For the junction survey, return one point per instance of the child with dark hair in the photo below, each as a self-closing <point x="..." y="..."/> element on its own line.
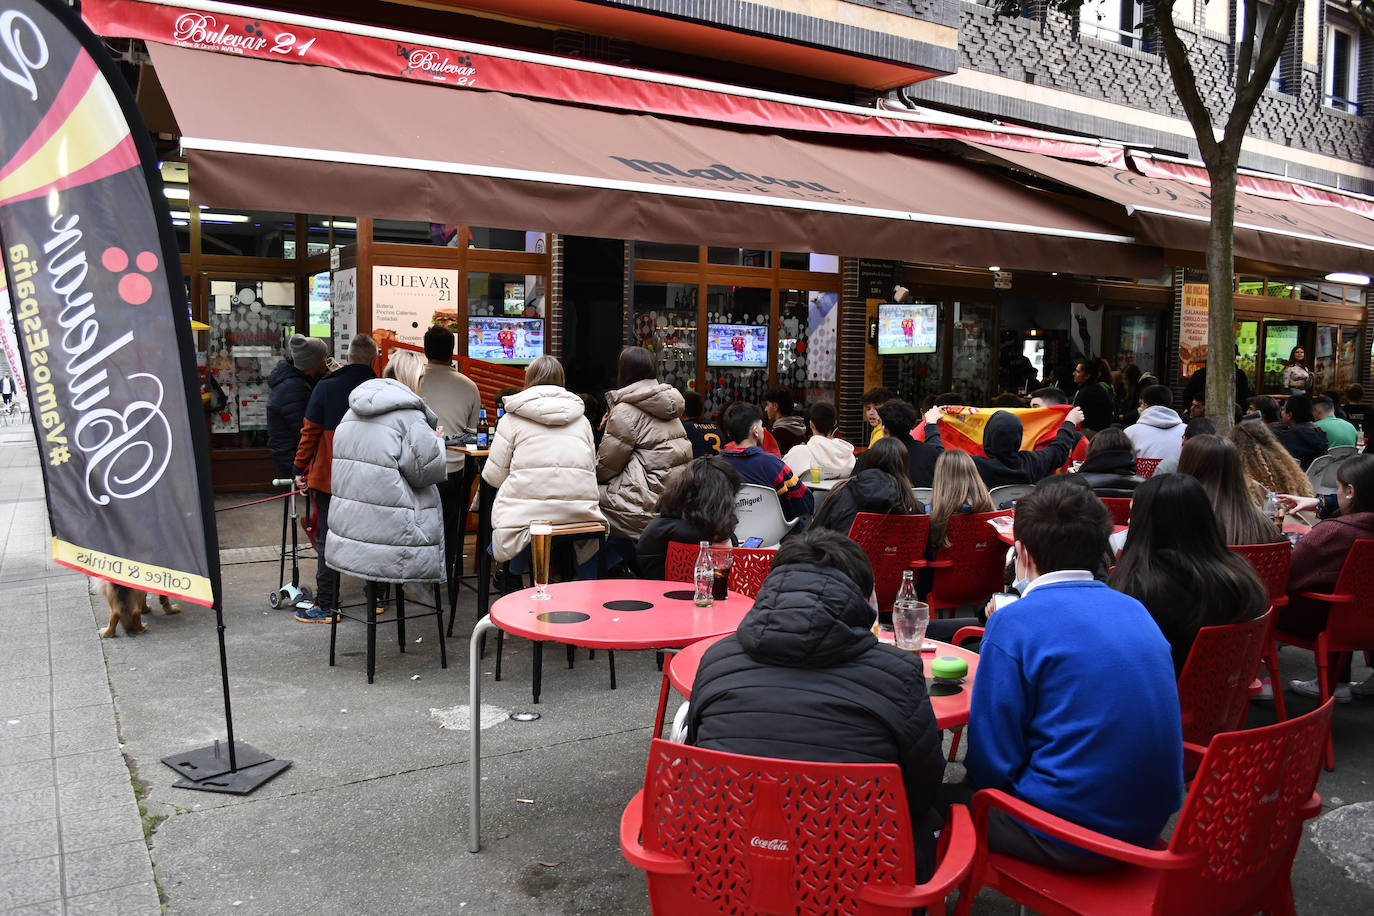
<point x="788" y="428"/>
<point x="870" y="401"/>
<point x="698" y="504"/>
<point x="743" y="425"/>
<point x="880" y="486"/>
<point x="899" y="419"/>
<point x="825" y="449"/>
<point x="702" y="433"/>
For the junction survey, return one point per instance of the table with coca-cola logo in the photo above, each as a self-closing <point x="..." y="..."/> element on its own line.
<point x="597" y="614"/>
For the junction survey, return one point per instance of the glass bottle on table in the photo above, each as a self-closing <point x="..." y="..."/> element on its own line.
<point x="483" y="432"/>
<point x="703" y="576"/>
<point x="910" y="616"/>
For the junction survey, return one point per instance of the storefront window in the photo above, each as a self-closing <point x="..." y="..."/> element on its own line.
<point x="737" y="345"/>
<point x="505" y="317"/>
<point x="1137" y="341"/>
<point x="816" y="263"/>
<point x="655" y="251"/>
<point x="971" y="346"/>
<point x="248" y="323"/>
<point x="344" y="231"/>
<point x="739" y="257"/>
<point x="1347" y="367"/>
<point x="243" y="233"/>
<point x="1250" y="286"/>
<point x="665" y="324"/>
<point x="808" y="343"/>
<point x="320" y="305"/>
<point x="1279" y="340"/>
<point x="506" y="239"/>
<point x="919" y="375"/>
<point x="1247" y="346"/>
<point x="1324" y="363"/>
<point x="402" y="232"/>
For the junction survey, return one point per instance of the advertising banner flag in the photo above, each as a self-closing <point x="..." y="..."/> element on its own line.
<point x="962" y="427"/>
<point x="100" y="311"/>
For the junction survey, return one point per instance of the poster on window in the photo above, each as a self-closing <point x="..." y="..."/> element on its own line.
<point x="407" y="301"/>
<point x="1192" y="335"/>
<point x="821" y="346"/>
<point x="12" y="364"/>
<point x="345" y="296"/>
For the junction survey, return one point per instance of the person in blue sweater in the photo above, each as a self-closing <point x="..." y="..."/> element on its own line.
<point x="1075" y="707"/>
<point x="743" y="424"/>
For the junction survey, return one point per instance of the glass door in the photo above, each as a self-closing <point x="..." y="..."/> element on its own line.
<point x="250" y="320"/>
<point x="1280" y="337"/>
<point x="971" y="351"/>
<point x="665" y="324"/>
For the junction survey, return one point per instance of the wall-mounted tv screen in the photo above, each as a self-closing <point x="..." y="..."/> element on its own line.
<point x="741" y="345"/>
<point x="907" y="327"/>
<point x="505" y="340"/>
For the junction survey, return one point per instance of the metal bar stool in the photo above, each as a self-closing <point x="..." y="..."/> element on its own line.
<point x="372" y="611"/>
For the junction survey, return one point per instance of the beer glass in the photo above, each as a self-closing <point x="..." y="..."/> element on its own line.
<point x="541" y="544"/>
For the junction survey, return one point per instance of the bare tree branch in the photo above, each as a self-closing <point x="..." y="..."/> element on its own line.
<point x="1185" y="81"/>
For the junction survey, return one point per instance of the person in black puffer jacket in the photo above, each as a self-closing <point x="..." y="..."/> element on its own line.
<point x="804" y="678"/>
<point x="1109" y="466"/>
<point x="290" y="385"/>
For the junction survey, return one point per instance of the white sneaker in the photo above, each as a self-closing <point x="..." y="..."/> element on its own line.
<point x="1312" y="689"/>
<point x="1365" y="688"/>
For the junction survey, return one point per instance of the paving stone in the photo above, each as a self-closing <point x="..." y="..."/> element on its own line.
<point x="90" y="871"/>
<point x="38" y="723"/>
<point x="91" y="796"/>
<point x="13" y="706"/>
<point x="100" y="737"/>
<point x="26" y="665"/>
<point x="29" y="840"/>
<point x="46" y="908"/>
<point x="21" y="750"/>
<point x="32" y="774"/>
<point x="30" y="881"/>
<point x="104" y="765"/>
<point x="77" y="718"/>
<point x="101" y="828"/>
<point x="79" y="696"/>
<point x="28" y="805"/>
<point x="130" y="900"/>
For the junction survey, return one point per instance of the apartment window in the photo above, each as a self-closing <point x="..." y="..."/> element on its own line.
<point x="1262" y="14"/>
<point x="1113" y="20"/>
<point x="1340" y="81"/>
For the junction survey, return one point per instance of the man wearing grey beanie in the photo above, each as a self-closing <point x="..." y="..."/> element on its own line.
<point x="291" y="383"/>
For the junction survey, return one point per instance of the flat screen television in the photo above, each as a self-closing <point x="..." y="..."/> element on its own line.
<point x="740" y="345"/>
<point x="907" y="327"/>
<point x="505" y="340"/>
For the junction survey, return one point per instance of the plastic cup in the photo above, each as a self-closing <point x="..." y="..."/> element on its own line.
<point x="815" y="474"/>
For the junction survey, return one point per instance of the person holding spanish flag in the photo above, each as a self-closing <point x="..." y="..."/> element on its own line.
<point x="1004" y="461"/>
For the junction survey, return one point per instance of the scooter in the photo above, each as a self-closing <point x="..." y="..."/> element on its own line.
<point x="291" y="594"/>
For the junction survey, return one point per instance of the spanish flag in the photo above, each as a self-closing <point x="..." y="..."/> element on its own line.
<point x="962" y="427"/>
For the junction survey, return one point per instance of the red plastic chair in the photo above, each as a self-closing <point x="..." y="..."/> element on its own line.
<point x="749" y="568"/>
<point x="972" y="567"/>
<point x="1230" y="854"/>
<point x="1145" y="467"/>
<point x="1273" y="563"/>
<point x="1120" y="508"/>
<point x="724" y="833"/>
<point x="1214" y="686"/>
<point x="893" y="544"/>
<point x="1349" y="624"/>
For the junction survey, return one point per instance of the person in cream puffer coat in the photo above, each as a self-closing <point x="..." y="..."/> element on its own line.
<point x="385" y="523"/>
<point x="543" y="460"/>
<point x="644" y="442"/>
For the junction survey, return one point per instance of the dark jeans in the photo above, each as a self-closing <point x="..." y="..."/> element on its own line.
<point x="326" y="579"/>
<point x="1010" y="837"/>
<point x="453" y="499"/>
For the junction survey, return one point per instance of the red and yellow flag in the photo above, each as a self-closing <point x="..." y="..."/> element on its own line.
<point x="962" y="427"/>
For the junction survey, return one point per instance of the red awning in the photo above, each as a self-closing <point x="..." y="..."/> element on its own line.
<point x="319" y="140"/>
<point x="1309" y="237"/>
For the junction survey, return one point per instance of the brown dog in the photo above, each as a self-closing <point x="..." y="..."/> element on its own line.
<point x="128" y="605"/>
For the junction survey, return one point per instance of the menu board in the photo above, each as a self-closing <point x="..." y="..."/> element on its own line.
<point x="1192" y="335"/>
<point x="407" y="301"/>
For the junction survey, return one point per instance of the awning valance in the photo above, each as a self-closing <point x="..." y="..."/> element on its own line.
<point x="267" y="135"/>
<point x="1310" y="238"/>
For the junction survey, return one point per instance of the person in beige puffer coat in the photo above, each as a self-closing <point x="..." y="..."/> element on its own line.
<point x="643" y="443"/>
<point x="542" y="459"/>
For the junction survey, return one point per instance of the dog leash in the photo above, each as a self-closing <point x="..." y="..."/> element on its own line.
<point x="258" y="501"/>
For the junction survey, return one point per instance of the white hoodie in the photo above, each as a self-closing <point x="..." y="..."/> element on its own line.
<point x="1159" y="434"/>
<point x="835" y="458"/>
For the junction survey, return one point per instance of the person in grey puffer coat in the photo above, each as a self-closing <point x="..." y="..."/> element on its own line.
<point x="643" y="443"/>
<point x="385" y="522"/>
<point x="804" y="678"/>
<point x="1159" y="432"/>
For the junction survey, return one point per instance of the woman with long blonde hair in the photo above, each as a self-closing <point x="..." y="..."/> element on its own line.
<point x="957" y="488"/>
<point x="1267" y="462"/>
<point x="407" y="367"/>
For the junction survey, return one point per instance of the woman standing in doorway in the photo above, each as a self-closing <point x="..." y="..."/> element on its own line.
<point x="1297" y="378"/>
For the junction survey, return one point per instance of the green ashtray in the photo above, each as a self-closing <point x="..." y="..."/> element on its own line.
<point x="948" y="668"/>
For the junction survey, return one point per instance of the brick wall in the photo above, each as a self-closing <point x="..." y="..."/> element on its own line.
<point x="1050" y="57"/>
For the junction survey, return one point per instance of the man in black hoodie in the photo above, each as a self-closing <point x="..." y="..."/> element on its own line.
<point x="1003" y="462"/>
<point x="804" y="678"/>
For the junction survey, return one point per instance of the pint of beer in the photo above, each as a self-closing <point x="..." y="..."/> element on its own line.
<point x="541" y="544"/>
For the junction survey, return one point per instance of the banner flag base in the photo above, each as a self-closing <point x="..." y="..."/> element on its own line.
<point x="209" y="769"/>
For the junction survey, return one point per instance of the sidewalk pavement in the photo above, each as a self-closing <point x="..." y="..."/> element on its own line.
<point x="372" y="816"/>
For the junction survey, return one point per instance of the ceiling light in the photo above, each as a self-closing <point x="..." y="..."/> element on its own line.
<point x="176" y="193"/>
<point x="1352" y="279"/>
<point x="994" y="269"/>
<point x="208" y="217"/>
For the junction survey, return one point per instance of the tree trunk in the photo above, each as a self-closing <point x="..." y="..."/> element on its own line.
<point x="1221" y="309"/>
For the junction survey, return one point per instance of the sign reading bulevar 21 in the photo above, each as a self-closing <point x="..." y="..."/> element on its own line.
<point x="96" y="317"/>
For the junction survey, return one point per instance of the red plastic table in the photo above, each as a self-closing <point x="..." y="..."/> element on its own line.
<point x="950" y="705"/>
<point x="604" y="614"/>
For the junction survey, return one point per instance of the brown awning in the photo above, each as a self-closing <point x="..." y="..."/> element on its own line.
<point x="294" y="138"/>
<point x="1171" y="213"/>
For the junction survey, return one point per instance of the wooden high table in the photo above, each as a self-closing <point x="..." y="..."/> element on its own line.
<point x="595" y="614"/>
